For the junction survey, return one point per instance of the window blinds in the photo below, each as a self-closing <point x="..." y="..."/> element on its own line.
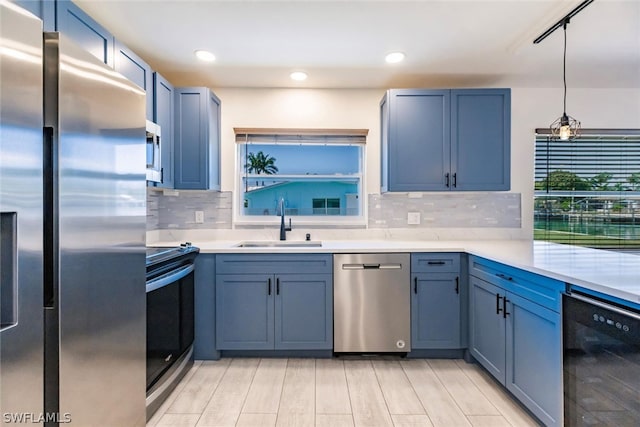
<point x="587" y="191"/>
<point x="600" y="163"/>
<point x="300" y="136"/>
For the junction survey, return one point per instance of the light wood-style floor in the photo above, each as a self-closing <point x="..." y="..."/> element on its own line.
<point x="338" y="392"/>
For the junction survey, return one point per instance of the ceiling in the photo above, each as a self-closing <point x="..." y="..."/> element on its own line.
<point x="342" y="44"/>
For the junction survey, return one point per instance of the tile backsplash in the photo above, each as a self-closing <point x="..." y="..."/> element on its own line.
<point x="175" y="209"/>
<point x="445" y="210"/>
<point x="168" y="210"/>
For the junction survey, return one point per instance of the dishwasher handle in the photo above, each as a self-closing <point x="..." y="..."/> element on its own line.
<point x="385" y="266"/>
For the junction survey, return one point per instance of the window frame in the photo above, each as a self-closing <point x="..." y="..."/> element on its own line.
<point x="240" y="219"/>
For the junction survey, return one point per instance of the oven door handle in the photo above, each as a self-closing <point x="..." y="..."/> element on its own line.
<point x="604" y="305"/>
<point x="168" y="278"/>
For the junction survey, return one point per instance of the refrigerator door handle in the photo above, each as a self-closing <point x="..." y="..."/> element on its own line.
<point x="49" y="284"/>
<point x="9" y="269"/>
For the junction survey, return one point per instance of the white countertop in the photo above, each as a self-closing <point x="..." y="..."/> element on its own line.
<point x="612" y="273"/>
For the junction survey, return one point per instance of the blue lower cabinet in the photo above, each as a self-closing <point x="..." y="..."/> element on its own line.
<point x="487" y="327"/>
<point x="519" y="343"/>
<point x="245" y="311"/>
<point x="435" y="311"/>
<point x="304" y="312"/>
<point x="274" y="312"/>
<point x="534" y="358"/>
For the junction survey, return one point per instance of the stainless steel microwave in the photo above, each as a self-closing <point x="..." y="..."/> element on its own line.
<point x="154" y="166"/>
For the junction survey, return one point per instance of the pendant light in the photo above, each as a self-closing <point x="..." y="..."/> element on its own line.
<point x="565" y="127"/>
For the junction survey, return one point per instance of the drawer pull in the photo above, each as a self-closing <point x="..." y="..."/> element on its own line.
<point x="436" y="263"/>
<point x="502" y="276"/>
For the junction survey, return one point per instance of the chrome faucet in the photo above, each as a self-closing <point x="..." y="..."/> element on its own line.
<point x="283" y="229"/>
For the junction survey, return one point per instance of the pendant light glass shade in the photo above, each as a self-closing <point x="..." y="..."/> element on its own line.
<point x="565" y="127"/>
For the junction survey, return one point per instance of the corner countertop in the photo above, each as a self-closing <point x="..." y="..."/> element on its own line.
<point x="612" y="273"/>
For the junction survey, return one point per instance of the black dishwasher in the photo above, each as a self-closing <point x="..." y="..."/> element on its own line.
<point x="601" y="343"/>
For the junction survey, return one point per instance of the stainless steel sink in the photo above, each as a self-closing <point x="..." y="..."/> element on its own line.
<point x="280" y="244"/>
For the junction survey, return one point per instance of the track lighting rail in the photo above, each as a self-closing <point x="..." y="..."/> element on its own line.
<point x="563" y="21"/>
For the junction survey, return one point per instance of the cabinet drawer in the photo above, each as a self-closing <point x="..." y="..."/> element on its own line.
<point x="274" y="263"/>
<point x="534" y="287"/>
<point x="435" y="263"/>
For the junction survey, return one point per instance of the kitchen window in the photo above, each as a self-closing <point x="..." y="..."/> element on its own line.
<point x="326" y="206"/>
<point x="318" y="173"/>
<point x="587" y="191"/>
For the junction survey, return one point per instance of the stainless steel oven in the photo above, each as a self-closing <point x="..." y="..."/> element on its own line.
<point x="601" y="341"/>
<point x="170" y="319"/>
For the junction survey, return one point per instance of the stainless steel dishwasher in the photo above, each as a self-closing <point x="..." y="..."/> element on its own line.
<point x="371" y="303"/>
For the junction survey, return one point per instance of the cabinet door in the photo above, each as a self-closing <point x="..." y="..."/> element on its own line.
<point x="130" y="65"/>
<point x="197" y="139"/>
<point x="304" y="312"/>
<point x="190" y="148"/>
<point x="487" y="326"/>
<point x="480" y="139"/>
<point x="84" y="31"/>
<point x="213" y="140"/>
<point x="163" y="116"/>
<point x="435" y="311"/>
<point x="244" y="311"/>
<point x="534" y="358"/>
<point x="418" y="145"/>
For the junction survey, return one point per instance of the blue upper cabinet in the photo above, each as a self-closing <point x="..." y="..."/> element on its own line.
<point x="130" y="65"/>
<point x="418" y="139"/>
<point x="80" y="27"/>
<point x="163" y="96"/>
<point x="197" y="139"/>
<point x="480" y="139"/>
<point x="445" y="140"/>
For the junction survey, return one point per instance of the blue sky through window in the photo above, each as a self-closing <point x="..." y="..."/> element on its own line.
<point x="305" y="159"/>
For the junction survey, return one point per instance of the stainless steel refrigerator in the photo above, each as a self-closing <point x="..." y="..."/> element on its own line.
<point x="73" y="211"/>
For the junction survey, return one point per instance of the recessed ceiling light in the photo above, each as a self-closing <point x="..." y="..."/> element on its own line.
<point x="298" y="75"/>
<point x="205" y="56"/>
<point x="394" y="57"/>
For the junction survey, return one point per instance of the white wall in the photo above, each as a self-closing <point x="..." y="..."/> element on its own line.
<point x="338" y="108"/>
